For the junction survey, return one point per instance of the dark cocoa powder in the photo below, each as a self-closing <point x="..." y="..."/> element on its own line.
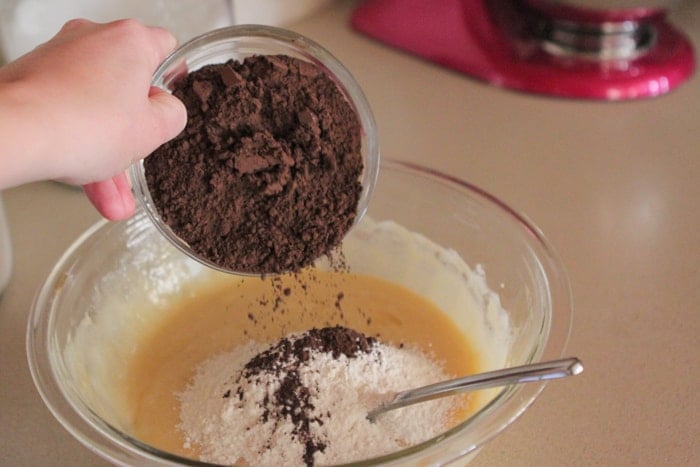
<point x="292" y="399"/>
<point x="265" y="178"/>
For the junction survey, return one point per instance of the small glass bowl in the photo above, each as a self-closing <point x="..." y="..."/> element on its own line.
<point x="237" y="43"/>
<point x="81" y="327"/>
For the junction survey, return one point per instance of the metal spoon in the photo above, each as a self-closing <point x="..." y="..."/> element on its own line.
<point x="515" y="375"/>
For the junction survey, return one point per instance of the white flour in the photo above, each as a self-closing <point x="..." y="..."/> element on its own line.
<point x="227" y="429"/>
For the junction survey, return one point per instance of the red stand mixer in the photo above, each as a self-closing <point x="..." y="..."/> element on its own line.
<point x="588" y="49"/>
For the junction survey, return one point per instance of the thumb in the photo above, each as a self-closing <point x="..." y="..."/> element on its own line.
<point x="168" y="112"/>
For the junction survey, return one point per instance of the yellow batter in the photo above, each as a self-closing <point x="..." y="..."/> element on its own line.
<point x="217" y="318"/>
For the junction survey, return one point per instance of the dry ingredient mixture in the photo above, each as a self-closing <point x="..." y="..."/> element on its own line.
<point x="304" y="400"/>
<point x="265" y="177"/>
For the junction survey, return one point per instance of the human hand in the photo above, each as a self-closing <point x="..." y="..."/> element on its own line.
<point x="83" y="109"/>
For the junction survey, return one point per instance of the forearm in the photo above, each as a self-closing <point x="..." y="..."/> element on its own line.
<point x="25" y="136"/>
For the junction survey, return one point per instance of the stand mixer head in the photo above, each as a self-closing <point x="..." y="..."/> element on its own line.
<point x="589" y="49"/>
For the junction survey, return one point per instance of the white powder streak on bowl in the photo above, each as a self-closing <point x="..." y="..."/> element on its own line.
<point x="124" y="304"/>
<point x="227" y="430"/>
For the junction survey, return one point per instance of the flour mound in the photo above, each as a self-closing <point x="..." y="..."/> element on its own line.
<point x="304" y="400"/>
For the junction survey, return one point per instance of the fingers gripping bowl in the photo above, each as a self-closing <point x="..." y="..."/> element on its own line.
<point x="435" y="235"/>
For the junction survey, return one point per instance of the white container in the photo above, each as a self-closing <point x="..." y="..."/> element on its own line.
<point x="5" y="250"/>
<point x="24" y="24"/>
<point x="273" y="12"/>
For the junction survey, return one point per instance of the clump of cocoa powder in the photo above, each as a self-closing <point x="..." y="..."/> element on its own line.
<point x="292" y="399"/>
<point x="265" y="178"/>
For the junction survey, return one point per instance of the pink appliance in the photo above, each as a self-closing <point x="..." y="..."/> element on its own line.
<point x="587" y="49"/>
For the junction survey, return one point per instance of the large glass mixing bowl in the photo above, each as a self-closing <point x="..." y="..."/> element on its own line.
<point x="113" y="265"/>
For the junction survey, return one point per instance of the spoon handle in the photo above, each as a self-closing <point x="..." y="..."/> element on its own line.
<point x="515" y="375"/>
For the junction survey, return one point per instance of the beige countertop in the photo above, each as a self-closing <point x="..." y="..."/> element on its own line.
<point x="615" y="187"/>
